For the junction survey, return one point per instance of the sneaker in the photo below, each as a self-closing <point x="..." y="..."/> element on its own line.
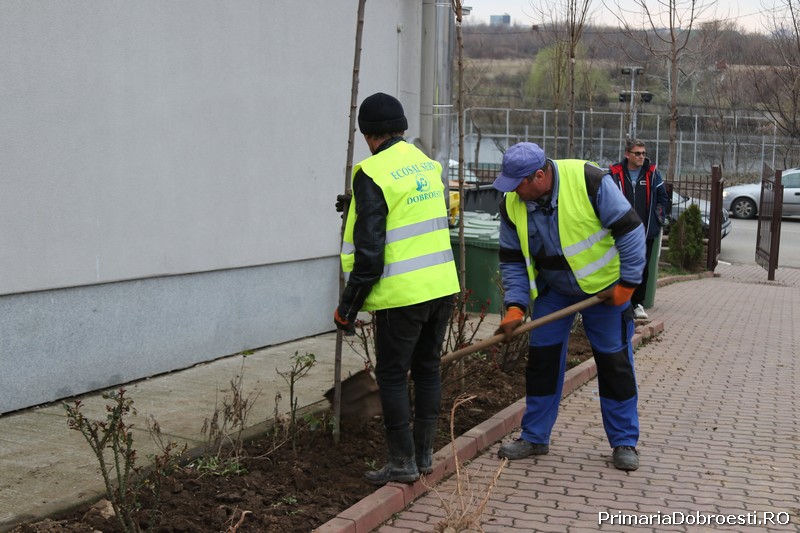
<point x="638" y="312"/>
<point x="520" y="449"/>
<point x="626" y="458"/>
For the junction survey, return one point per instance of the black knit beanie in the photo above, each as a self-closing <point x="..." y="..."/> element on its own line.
<point x="381" y="113"/>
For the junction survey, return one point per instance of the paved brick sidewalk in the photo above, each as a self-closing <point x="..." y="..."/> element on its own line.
<point x="720" y="415"/>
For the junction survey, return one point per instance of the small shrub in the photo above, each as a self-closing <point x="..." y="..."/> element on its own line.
<point x="162" y="464"/>
<point x="301" y="365"/>
<point x="462" y="327"/>
<point x="113" y="434"/>
<point x="686" y="240"/>
<point x="224" y="447"/>
<point x="363" y="342"/>
<point x="111" y="441"/>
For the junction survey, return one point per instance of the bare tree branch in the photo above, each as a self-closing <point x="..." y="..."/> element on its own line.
<point x="565" y="21"/>
<point x="664" y="29"/>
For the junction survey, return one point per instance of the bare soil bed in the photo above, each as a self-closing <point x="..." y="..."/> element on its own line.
<point x="297" y="490"/>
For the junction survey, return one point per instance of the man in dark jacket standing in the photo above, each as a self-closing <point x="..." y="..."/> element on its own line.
<point x="641" y="184"/>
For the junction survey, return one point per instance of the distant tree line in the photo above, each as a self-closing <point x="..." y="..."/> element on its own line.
<point x="711" y="68"/>
<point x="482" y="41"/>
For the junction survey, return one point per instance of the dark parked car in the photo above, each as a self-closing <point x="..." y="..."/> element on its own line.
<point x="680" y="203"/>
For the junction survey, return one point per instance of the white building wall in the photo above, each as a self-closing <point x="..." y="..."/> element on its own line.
<point x="168" y="171"/>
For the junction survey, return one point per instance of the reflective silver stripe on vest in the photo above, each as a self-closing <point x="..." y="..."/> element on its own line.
<point x="416" y="229"/>
<point x="585" y="244"/>
<point x="591" y="268"/>
<point x="417" y="263"/>
<point x="532" y="280"/>
<point x="405" y="232"/>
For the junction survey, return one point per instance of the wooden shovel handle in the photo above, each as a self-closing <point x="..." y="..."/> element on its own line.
<point x="527" y="326"/>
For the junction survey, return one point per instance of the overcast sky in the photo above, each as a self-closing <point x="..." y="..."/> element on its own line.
<point x="745" y="12"/>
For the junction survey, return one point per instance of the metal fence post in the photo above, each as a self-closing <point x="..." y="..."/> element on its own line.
<point x="544" y="131"/>
<point x="775" y="227"/>
<point x="508" y="128"/>
<point x="715" y="219"/>
<point x="694" y="148"/>
<point x="583" y="132"/>
<point x="602" y="139"/>
<point x="774" y="142"/>
<point x="658" y="136"/>
<point x="770" y="209"/>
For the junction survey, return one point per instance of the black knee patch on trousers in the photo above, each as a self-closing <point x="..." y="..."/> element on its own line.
<point x="541" y="374"/>
<point x="615" y="377"/>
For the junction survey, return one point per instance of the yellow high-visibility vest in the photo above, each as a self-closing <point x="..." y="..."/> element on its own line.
<point x="587" y="246"/>
<point x="418" y="258"/>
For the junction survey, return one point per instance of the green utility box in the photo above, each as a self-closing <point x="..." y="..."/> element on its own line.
<point x="652" y="274"/>
<point x="481" y="243"/>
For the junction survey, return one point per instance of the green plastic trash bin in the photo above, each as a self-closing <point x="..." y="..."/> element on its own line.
<point x="481" y="243"/>
<point x="652" y="274"/>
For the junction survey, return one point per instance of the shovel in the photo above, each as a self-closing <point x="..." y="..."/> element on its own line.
<point x="360" y="391"/>
<point x="527" y="326"/>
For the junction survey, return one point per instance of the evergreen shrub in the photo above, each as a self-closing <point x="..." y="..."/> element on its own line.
<point x="686" y="240"/>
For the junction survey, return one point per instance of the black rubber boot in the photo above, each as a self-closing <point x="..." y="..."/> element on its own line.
<point x="401" y="466"/>
<point x="424" y="436"/>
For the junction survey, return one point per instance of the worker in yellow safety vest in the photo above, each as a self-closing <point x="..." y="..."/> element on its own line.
<point x="398" y="263"/>
<point x="566" y="233"/>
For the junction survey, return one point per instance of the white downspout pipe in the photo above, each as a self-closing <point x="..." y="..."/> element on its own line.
<point x="436" y="105"/>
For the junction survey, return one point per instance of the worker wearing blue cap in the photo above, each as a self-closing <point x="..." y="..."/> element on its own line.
<point x="567" y="233"/>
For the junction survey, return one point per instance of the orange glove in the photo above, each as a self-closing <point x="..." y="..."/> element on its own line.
<point x="618" y="294"/>
<point x="512" y="320"/>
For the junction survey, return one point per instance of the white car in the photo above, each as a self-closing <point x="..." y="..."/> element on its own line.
<point x="743" y="200"/>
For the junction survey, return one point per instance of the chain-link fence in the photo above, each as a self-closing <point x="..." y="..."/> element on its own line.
<point x="739" y="144"/>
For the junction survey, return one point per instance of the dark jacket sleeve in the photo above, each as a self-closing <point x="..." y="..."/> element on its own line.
<point x="369" y="237"/>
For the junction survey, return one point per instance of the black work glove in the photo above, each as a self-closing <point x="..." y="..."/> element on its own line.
<point x="342" y="202"/>
<point x="350" y="302"/>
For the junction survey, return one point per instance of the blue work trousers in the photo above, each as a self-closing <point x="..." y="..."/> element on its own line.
<point x="609" y="330"/>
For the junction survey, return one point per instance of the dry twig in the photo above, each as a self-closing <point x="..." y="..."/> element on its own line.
<point x="464" y="508"/>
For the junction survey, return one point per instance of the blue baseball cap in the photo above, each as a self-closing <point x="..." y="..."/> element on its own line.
<point x="519" y="162"/>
